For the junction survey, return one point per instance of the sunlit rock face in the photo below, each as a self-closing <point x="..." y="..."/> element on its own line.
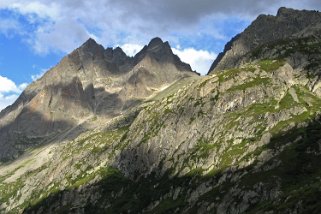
<point x="89" y="82"/>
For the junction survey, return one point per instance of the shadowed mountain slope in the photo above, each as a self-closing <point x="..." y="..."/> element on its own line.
<point x="288" y="24"/>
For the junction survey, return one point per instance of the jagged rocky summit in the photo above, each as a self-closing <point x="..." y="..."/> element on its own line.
<point x="244" y="139"/>
<point x="89" y="82"/>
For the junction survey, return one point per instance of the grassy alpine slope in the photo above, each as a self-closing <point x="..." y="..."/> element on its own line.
<point x="241" y="140"/>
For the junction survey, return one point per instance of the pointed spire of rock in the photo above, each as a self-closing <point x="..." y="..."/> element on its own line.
<point x="119" y="52"/>
<point x="155" y="42"/>
<point x="91" y="46"/>
<point x="90" y="43"/>
<point x="161" y="52"/>
<point x="284" y="12"/>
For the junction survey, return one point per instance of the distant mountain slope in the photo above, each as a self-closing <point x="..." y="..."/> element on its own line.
<point x="89" y="82"/>
<point x="288" y="24"/>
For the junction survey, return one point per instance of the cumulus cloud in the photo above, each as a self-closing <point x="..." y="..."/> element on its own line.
<point x="200" y="60"/>
<point x="42" y="71"/>
<point x="41" y="8"/>
<point x="7" y="100"/>
<point x="7" y="85"/>
<point x="64" y="24"/>
<point x="131" y="49"/>
<point x="22" y="86"/>
<point x="8" y="26"/>
<point x="62" y="36"/>
<point x="34" y="77"/>
<point x="9" y="91"/>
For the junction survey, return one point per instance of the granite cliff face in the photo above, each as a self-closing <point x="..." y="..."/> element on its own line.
<point x="240" y="140"/>
<point x="90" y="82"/>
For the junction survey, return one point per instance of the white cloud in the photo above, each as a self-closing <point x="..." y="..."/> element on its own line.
<point x="22" y="86"/>
<point x="34" y="77"/>
<point x="41" y="8"/>
<point x="131" y="49"/>
<point x="9" y="25"/>
<point x="200" y="60"/>
<point x="64" y="25"/>
<point x="61" y="26"/>
<point x="9" y="91"/>
<point x="7" y="100"/>
<point x="7" y="85"/>
<point x="64" y="36"/>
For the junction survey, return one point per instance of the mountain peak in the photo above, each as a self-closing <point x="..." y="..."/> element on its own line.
<point x="90" y="43"/>
<point x="115" y="52"/>
<point x="283" y="10"/>
<point x="266" y="29"/>
<point x="91" y="46"/>
<point x="157" y="45"/>
<point x="155" y="42"/>
<point x="162" y="52"/>
<point x="119" y="51"/>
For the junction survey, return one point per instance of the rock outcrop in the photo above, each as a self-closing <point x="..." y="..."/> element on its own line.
<point x="288" y="24"/>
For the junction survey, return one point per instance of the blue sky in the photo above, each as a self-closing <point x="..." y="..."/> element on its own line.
<point x="36" y="34"/>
